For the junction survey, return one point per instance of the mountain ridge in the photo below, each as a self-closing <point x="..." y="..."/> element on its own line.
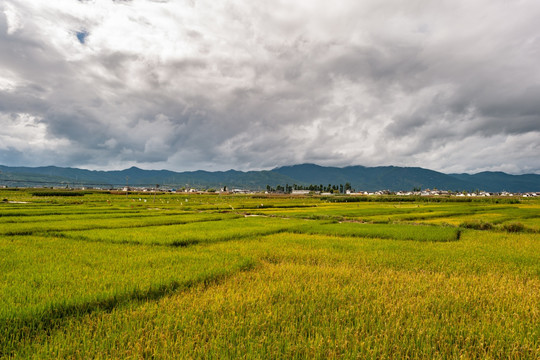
<point x="360" y="177"/>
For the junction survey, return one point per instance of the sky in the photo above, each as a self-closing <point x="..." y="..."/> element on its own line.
<point x="449" y="85"/>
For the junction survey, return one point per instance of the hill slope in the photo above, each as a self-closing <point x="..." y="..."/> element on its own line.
<point x="52" y="176"/>
<point x="374" y="178"/>
<point x="500" y="181"/>
<point x="360" y="177"/>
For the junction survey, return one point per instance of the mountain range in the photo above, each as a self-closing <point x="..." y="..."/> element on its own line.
<point x="360" y="177"/>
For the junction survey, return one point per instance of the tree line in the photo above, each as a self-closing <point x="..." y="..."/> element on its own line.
<point x="330" y="188"/>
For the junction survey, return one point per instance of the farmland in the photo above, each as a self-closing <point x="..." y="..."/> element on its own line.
<point x="103" y="275"/>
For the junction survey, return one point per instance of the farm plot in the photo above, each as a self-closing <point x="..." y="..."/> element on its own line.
<point x="195" y="276"/>
<point x="45" y="280"/>
<point x="53" y="224"/>
<point x="390" y="298"/>
<point x="189" y="234"/>
<point x="384" y="231"/>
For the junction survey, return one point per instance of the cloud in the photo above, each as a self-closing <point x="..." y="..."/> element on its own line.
<point x="451" y="85"/>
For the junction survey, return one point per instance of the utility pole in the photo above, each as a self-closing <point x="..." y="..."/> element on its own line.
<point x="155" y="191"/>
<point x="127" y="186"/>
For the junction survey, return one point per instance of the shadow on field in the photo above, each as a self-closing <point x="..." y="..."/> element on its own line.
<point x="17" y="332"/>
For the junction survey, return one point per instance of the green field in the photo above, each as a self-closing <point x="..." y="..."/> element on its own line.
<point x="104" y="276"/>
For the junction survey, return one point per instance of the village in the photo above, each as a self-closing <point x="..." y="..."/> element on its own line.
<point x="225" y="190"/>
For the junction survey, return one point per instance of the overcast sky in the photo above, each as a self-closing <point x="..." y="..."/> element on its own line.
<point x="450" y="85"/>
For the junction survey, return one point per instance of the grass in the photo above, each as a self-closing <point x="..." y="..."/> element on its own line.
<point x="47" y="279"/>
<point x="384" y="231"/>
<point x="188" y="234"/>
<point x="105" y="276"/>
<point x="111" y="222"/>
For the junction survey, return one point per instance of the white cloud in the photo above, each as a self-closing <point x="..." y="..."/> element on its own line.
<point x="24" y="131"/>
<point x="249" y="85"/>
<point x="13" y="18"/>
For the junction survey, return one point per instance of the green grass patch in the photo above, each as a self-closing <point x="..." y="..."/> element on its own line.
<point x="45" y="280"/>
<point x="191" y="233"/>
<point x="384" y="231"/>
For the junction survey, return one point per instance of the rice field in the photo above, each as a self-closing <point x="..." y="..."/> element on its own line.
<point x="105" y="276"/>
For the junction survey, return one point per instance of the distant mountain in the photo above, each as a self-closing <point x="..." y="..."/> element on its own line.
<point x="360" y="177"/>
<point x="54" y="176"/>
<point x="500" y="181"/>
<point x="374" y="178"/>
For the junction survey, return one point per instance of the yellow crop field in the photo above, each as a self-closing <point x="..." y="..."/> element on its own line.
<point x="102" y="275"/>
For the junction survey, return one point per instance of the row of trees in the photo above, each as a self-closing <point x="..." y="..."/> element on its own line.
<point x="287" y="189"/>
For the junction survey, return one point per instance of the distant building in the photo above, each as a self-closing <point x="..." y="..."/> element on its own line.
<point x="240" y="191"/>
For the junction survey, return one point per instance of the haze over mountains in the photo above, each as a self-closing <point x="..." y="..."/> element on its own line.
<point x="361" y="178"/>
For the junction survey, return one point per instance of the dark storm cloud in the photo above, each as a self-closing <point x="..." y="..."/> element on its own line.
<point x="452" y="86"/>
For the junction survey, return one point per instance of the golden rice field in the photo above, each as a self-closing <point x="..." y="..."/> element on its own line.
<point x="108" y="276"/>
